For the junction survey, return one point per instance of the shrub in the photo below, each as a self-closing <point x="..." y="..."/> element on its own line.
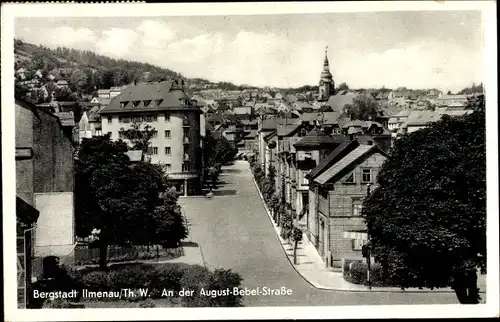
<point x="221" y="280"/>
<point x="195" y="278"/>
<point x="147" y="303"/>
<point x="166" y="277"/>
<point x="66" y="279"/>
<point x="135" y="276"/>
<point x="356" y="274"/>
<point x="57" y="304"/>
<point x="97" y="281"/>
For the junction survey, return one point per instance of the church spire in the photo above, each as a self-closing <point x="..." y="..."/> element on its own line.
<point x="326" y="64"/>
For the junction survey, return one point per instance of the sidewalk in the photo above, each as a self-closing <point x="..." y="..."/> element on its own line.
<point x="312" y="268"/>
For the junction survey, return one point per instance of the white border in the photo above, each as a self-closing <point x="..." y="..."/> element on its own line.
<point x="10" y="11"/>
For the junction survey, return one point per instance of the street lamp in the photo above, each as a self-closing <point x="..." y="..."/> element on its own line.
<point x="368" y="248"/>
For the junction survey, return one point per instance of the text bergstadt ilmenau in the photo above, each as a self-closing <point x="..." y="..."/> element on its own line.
<point x="144" y="292"/>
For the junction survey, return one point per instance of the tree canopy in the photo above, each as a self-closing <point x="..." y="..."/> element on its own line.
<point x="139" y="136"/>
<point x="128" y="203"/>
<point x="427" y="218"/>
<point x="363" y="107"/>
<point x="342" y="87"/>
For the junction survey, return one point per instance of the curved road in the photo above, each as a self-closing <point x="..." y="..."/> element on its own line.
<point x="234" y="231"/>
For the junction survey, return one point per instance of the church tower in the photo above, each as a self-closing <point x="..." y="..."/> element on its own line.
<point x="326" y="83"/>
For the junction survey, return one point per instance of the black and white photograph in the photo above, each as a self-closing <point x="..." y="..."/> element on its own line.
<point x="285" y="160"/>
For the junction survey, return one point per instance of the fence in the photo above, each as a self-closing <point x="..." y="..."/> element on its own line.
<point x="85" y="255"/>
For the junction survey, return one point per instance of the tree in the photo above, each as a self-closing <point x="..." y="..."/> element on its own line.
<point x="269" y="185"/>
<point x="139" y="138"/>
<point x="427" y="218"/>
<point x="297" y="237"/>
<point x="65" y="95"/>
<point x="342" y="87"/>
<point x="363" y="107"/>
<point x="128" y="204"/>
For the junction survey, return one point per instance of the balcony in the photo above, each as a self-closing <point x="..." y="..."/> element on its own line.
<point x="185" y="140"/>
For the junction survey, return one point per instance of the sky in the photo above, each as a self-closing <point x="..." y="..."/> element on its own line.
<point x="415" y="49"/>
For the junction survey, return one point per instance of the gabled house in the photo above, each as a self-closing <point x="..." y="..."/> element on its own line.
<point x="90" y="124"/>
<point x="337" y="188"/>
<point x="309" y="150"/>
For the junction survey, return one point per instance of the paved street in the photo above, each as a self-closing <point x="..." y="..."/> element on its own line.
<point x="235" y="232"/>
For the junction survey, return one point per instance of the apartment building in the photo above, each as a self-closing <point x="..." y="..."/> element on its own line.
<point x="176" y="122"/>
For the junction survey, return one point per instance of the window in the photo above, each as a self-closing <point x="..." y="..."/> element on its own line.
<point x="168" y="151"/>
<point x="350" y="178"/>
<point x="303" y="133"/>
<point x="155" y="150"/>
<point x="185" y="131"/>
<point x="366" y="175"/>
<point x="138" y="119"/>
<point x="357" y="205"/>
<point x="147" y="102"/>
<point x="158" y="102"/>
<point x="124" y="119"/>
<point x="110" y="119"/>
<point x="185" y="166"/>
<point x="167" y="117"/>
<point x="154" y="134"/>
<point x="110" y="134"/>
<point x="136" y="103"/>
<point x="167" y="134"/>
<point x="168" y="167"/>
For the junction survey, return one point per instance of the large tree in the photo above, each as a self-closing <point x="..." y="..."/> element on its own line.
<point x="364" y="107"/>
<point x="139" y="136"/>
<point x="128" y="203"/>
<point x="427" y="218"/>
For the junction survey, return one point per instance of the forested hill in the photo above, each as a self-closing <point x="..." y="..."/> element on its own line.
<point x="85" y="70"/>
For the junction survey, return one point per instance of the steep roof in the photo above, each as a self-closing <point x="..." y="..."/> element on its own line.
<point x="162" y="96"/>
<point x="316" y="138"/>
<point x="337" y="102"/>
<point x="286" y="129"/>
<point x="291" y="98"/>
<point x="345" y="162"/>
<point x="252" y="134"/>
<point x="93" y="114"/>
<point x="67" y="118"/>
<point x="271" y="124"/>
<point x="344" y="148"/>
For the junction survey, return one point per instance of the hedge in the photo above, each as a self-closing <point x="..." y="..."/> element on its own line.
<point x="357" y="274"/>
<point x="155" y="278"/>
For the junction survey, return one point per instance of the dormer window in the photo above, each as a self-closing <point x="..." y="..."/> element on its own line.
<point x="147" y="102"/>
<point x="158" y="102"/>
<point x="123" y="104"/>
<point x="136" y="103"/>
